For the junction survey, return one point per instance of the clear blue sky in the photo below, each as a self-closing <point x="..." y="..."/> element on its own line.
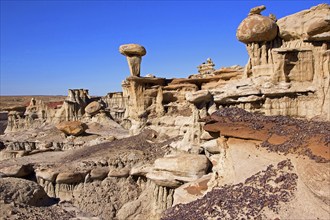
<point x="48" y="47"/>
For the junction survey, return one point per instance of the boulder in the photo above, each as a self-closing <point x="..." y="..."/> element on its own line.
<point x="124" y="172"/>
<point x="140" y="170"/>
<point x="70" y="178"/>
<point x="72" y="127"/>
<point x="208" y="136"/>
<point x="184" y="165"/>
<point x="256" y="28"/>
<point x="211" y="146"/>
<point x="257" y="10"/>
<point x="17" y="170"/>
<point x="199" y="96"/>
<point x="93" y="108"/>
<point x="99" y="173"/>
<point x="22" y="191"/>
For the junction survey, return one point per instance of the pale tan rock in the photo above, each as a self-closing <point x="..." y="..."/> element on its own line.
<point x="177" y="164"/>
<point x="163" y="178"/>
<point x="47" y="174"/>
<point x="124" y="172"/>
<point x="307" y="25"/>
<point x="206" y="67"/>
<point x="73" y="107"/>
<point x="199" y="96"/>
<point x="99" y="173"/>
<point x="71" y="127"/>
<point x="317" y="178"/>
<point x="132" y="50"/>
<point x="140" y="170"/>
<point x="211" y="146"/>
<point x="208" y="136"/>
<point x="257" y="10"/>
<point x="17" y="170"/>
<point x="191" y="191"/>
<point x="70" y="177"/>
<point x="93" y="108"/>
<point x="23" y="192"/>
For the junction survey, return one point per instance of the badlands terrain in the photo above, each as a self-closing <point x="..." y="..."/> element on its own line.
<point x="238" y="142"/>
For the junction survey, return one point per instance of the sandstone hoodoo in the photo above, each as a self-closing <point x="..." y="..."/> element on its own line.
<point x="134" y="54"/>
<point x="230" y="143"/>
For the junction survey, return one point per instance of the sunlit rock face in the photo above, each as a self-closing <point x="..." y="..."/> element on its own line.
<point x="307" y="25"/>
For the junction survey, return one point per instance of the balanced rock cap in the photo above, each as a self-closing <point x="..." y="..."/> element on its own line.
<point x="132" y="50"/>
<point x="257" y="28"/>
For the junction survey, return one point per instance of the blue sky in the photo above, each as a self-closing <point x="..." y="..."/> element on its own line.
<point x="48" y="47"/>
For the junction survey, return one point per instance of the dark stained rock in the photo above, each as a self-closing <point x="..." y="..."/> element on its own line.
<point x="277" y="133"/>
<point x="265" y="190"/>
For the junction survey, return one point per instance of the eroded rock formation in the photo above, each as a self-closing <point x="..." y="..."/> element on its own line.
<point x="175" y="148"/>
<point x="133" y="53"/>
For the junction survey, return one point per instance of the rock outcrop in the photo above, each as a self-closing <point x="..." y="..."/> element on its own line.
<point x="172" y="170"/>
<point x="22" y="191"/>
<point x="307" y="25"/>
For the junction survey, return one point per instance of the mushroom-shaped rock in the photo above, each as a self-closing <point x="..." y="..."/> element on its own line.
<point x="256" y="28"/>
<point x="71" y="127"/>
<point x="93" y="108"/>
<point x="133" y="53"/>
